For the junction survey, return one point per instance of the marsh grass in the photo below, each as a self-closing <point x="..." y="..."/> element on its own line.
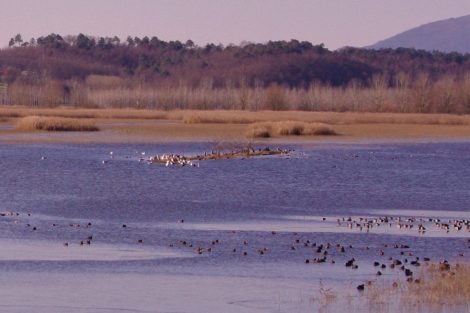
<point x="435" y="290"/>
<point x="441" y="287"/>
<point x="288" y="128"/>
<point x="327" y="297"/>
<point x="84" y="113"/>
<point x="319" y="129"/>
<point x="218" y="117"/>
<point x="259" y="130"/>
<point x="32" y="123"/>
<point x="238" y="116"/>
<point x="248" y="117"/>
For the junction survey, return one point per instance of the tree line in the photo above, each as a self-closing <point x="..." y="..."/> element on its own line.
<point x="71" y="69"/>
<point x="290" y="63"/>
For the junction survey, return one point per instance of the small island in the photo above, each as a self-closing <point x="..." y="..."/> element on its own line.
<point x="177" y="159"/>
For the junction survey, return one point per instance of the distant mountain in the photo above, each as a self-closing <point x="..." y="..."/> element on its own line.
<point x="447" y="35"/>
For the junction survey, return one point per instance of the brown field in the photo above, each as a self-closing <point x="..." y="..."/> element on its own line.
<point x="133" y="125"/>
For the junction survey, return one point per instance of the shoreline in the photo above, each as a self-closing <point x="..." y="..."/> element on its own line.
<point x="132" y="126"/>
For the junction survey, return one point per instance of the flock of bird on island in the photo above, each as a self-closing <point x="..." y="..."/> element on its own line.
<point x="166" y="159"/>
<point x="173" y="159"/>
<point x="323" y="252"/>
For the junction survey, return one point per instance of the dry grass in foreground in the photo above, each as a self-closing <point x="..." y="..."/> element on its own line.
<point x="31" y="123"/>
<point x="288" y="128"/>
<point x="439" y="288"/>
<point x="441" y="285"/>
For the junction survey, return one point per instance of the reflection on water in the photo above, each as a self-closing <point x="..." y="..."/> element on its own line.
<point x="229" y="236"/>
<point x="142" y="293"/>
<point x="25" y="250"/>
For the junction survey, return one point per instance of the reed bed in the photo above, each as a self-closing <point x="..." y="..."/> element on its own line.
<point x="248" y="117"/>
<point x="441" y="286"/>
<point x="87" y="113"/>
<point x="33" y="123"/>
<point x="218" y="117"/>
<point x="288" y="128"/>
<point x="237" y="116"/>
<point x="438" y="289"/>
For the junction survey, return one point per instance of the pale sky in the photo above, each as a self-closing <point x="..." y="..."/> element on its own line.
<point x="336" y="23"/>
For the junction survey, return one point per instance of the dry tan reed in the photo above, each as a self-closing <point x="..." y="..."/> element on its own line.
<point x="319" y="129"/>
<point x="288" y="128"/>
<point x="32" y="123"/>
<point x="436" y="290"/>
<point x="21" y="111"/>
<point x="246" y="117"/>
<point x="238" y="116"/>
<point x="440" y="285"/>
<point x="217" y="117"/>
<point x="259" y="130"/>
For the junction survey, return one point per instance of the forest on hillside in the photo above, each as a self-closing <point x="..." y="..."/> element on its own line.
<point x="148" y="72"/>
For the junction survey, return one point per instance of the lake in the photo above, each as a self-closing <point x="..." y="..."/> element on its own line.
<point x="256" y="222"/>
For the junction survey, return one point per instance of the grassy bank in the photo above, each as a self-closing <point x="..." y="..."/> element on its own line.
<point x="239" y="117"/>
<point x="33" y="123"/>
<point x="85" y="113"/>
<point x="132" y="125"/>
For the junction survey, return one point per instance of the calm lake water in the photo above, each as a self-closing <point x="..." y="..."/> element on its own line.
<point x="232" y="206"/>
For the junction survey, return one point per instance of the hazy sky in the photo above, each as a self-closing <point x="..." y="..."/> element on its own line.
<point x="335" y="23"/>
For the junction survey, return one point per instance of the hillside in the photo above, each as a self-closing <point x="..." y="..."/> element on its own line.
<point x="153" y="61"/>
<point x="449" y="35"/>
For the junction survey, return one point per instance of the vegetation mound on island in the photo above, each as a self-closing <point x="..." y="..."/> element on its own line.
<point x="288" y="128"/>
<point x="31" y="123"/>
